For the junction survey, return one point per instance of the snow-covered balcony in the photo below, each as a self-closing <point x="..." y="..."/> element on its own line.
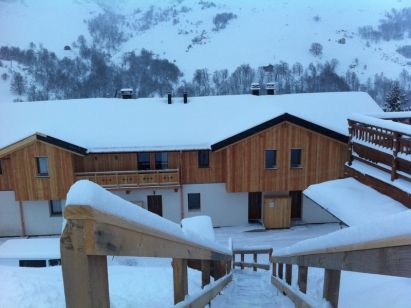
<point x="384" y="141"/>
<point x="133" y="178"/>
<point x="380" y="152"/>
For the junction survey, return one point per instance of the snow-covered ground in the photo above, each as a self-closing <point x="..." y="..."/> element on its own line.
<point x="147" y="282"/>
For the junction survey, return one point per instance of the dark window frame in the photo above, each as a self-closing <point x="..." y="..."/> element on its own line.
<point x="203" y="159"/>
<point x="194" y="202"/>
<point x="53" y="211"/>
<point x="271" y="166"/>
<point x="40" y="172"/>
<point x="294" y="164"/>
<point x="143" y="164"/>
<point x="159" y="162"/>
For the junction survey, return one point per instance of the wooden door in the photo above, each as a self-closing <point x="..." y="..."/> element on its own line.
<point x="254" y="206"/>
<point x="296" y="197"/>
<point x="277" y="212"/>
<point x="155" y="204"/>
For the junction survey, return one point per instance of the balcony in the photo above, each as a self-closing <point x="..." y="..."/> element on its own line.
<point x="133" y="178"/>
<point x="383" y="144"/>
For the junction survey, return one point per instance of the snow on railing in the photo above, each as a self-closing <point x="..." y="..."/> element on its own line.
<point x="100" y="224"/>
<point x="380" y="247"/>
<point x="384" y="136"/>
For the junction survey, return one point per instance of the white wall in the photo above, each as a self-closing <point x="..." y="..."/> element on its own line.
<point x="225" y="209"/>
<point x="313" y="213"/>
<point x="170" y="199"/>
<point x="38" y="220"/>
<point x="9" y="214"/>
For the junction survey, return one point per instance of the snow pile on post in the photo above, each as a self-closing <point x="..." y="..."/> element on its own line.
<point x="87" y="193"/>
<point x="394" y="230"/>
<point x="352" y="202"/>
<point x="201" y="226"/>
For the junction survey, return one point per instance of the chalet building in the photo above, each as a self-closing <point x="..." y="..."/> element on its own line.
<point x="378" y="173"/>
<point x="235" y="158"/>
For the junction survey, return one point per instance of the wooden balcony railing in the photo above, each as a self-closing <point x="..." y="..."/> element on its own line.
<point x="133" y="178"/>
<point x="380" y="146"/>
<point x="99" y="225"/>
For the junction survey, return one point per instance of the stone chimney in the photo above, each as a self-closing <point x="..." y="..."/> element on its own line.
<point x="126" y="93"/>
<point x="271" y="88"/>
<point x="169" y="100"/>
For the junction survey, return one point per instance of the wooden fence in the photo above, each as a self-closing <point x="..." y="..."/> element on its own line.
<point x="391" y="257"/>
<point x="255" y="253"/>
<point x="91" y="235"/>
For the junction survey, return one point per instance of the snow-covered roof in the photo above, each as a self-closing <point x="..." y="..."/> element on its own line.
<point x="111" y="125"/>
<point x="31" y="249"/>
<point x="353" y="202"/>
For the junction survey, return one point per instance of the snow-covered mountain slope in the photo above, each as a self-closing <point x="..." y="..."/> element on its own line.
<point x="260" y="32"/>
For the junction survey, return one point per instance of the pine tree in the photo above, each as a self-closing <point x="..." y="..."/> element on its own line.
<point x="395" y="100"/>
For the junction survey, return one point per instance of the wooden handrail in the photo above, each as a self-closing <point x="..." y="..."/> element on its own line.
<point x="90" y="235"/>
<point x="385" y="257"/>
<point x="255" y="252"/>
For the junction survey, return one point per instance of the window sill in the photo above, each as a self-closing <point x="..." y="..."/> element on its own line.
<point x="196" y="210"/>
<point x="296" y="167"/>
<point x="42" y="176"/>
<point x="275" y="168"/>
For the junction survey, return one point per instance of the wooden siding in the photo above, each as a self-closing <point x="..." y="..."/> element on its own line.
<point x="6" y="178"/>
<point x="29" y="186"/>
<point x="322" y="159"/>
<point x="118" y="162"/>
<point x="192" y="174"/>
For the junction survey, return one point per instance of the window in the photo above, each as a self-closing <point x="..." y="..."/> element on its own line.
<point x="270" y="159"/>
<point x="295" y="158"/>
<point x="161" y="160"/>
<point x="55" y="208"/>
<point x="1" y="168"/>
<point x="143" y="160"/>
<point x="54" y="262"/>
<point x="32" y="263"/>
<point x="42" y="166"/>
<point x="203" y="159"/>
<point x="194" y="202"/>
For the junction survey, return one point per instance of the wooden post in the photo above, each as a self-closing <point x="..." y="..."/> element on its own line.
<point x="331" y="288"/>
<point x="233" y="260"/>
<point x="274" y="269"/>
<point x="85" y="277"/>
<point x="205" y="273"/>
<point x="280" y="270"/>
<point x="350" y="146"/>
<point x="395" y="149"/>
<point x="302" y="278"/>
<point x="242" y="260"/>
<point x="180" y="279"/>
<point x="255" y="261"/>
<point x="288" y="273"/>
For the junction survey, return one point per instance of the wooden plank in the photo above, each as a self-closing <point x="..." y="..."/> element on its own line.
<point x="253" y="265"/>
<point x="180" y="280"/>
<point x="331" y="288"/>
<point x="209" y="292"/>
<point x="242" y="261"/>
<point x="116" y="235"/>
<point x="302" y="278"/>
<point x="274" y="269"/>
<point x="280" y="270"/>
<point x="85" y="277"/>
<point x="288" y="273"/>
<point x="300" y="299"/>
<point x="395" y="261"/>
<point x="117" y="241"/>
<point x="252" y="251"/>
<point x="205" y="273"/>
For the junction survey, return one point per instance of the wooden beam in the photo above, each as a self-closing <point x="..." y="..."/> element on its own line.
<point x="395" y="261"/>
<point x="85" y="277"/>
<point x="274" y="269"/>
<point x="280" y="270"/>
<point x="331" y="288"/>
<point x="205" y="273"/>
<point x="300" y="299"/>
<point x="209" y="292"/>
<point x="242" y="261"/>
<point x="253" y="265"/>
<point x="255" y="262"/>
<point x="252" y="251"/>
<point x="288" y="273"/>
<point x="180" y="281"/>
<point x="302" y="278"/>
